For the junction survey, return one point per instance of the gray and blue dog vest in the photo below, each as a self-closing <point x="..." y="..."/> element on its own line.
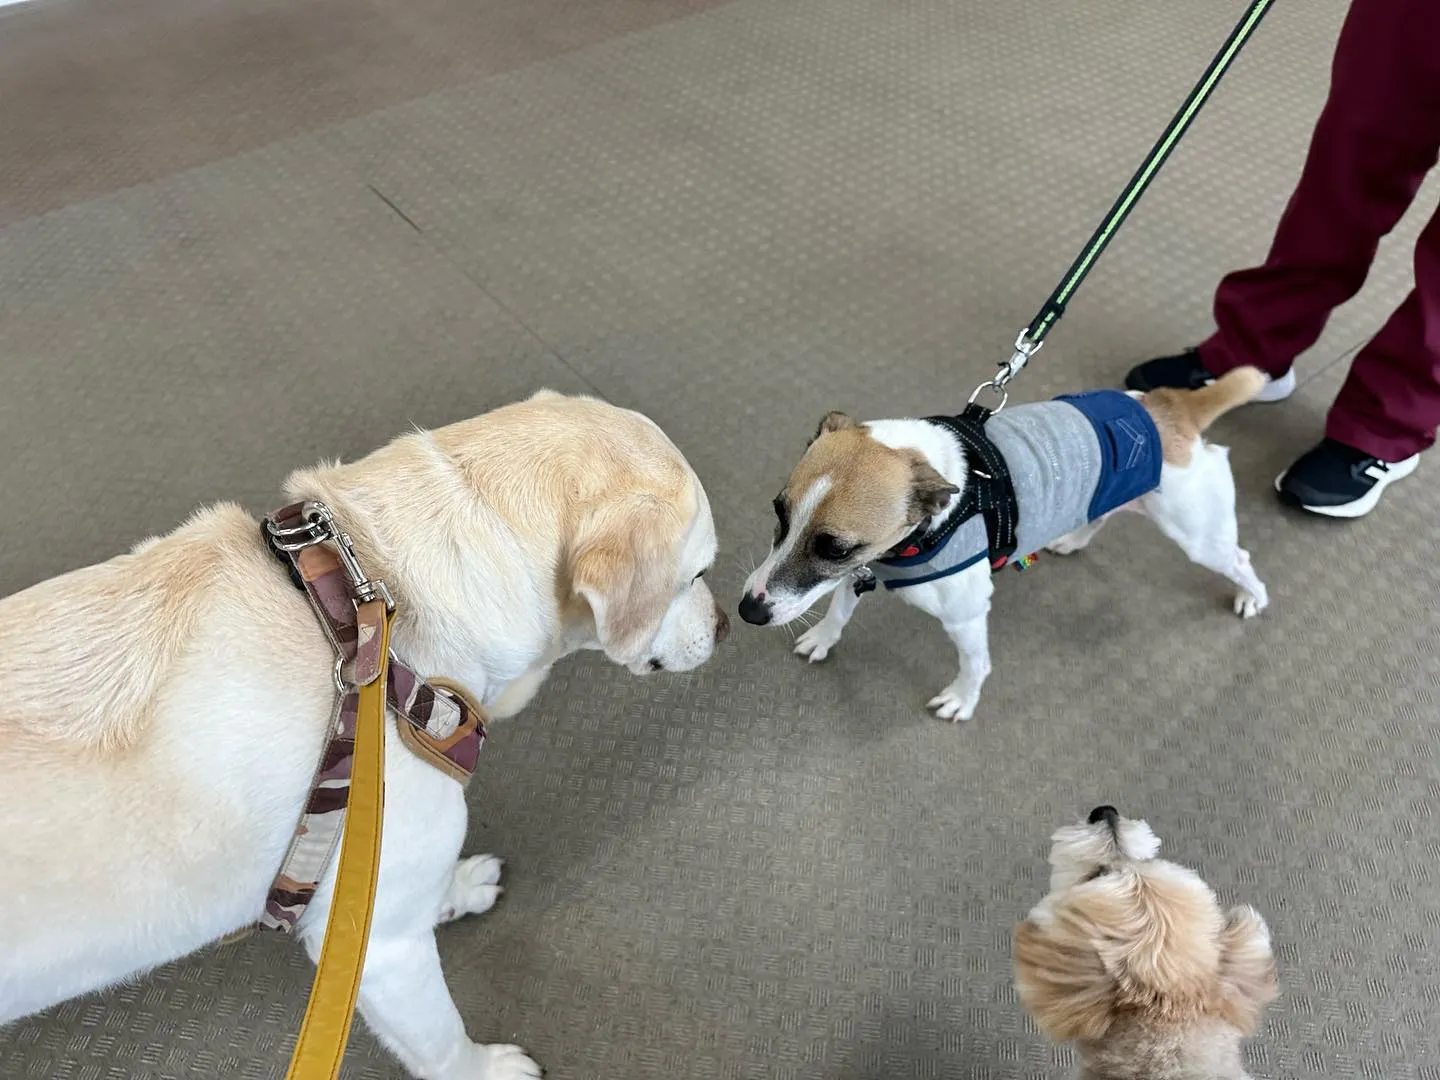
<point x="1070" y="461"/>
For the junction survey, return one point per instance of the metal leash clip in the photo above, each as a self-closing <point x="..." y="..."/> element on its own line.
<point x="317" y="527"/>
<point x="1024" y="350"/>
<point x="863" y="581"/>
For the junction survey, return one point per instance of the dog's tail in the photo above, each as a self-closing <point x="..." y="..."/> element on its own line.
<point x="1204" y="406"/>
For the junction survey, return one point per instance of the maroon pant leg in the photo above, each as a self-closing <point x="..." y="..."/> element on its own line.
<point x="1390" y="403"/>
<point x="1372" y="146"/>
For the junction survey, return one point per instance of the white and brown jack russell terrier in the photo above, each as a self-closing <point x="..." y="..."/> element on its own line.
<point x="931" y="507"/>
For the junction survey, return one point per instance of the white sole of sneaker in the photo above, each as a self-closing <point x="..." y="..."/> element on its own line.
<point x="1277" y="389"/>
<point x="1363" y="505"/>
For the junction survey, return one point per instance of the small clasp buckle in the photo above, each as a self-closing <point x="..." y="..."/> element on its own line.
<point x="317" y="526"/>
<point x="1024" y="350"/>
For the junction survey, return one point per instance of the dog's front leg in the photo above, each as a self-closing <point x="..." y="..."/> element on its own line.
<point x="473" y="890"/>
<point x="962" y="604"/>
<point x="405" y="1001"/>
<point x="972" y="639"/>
<point x="816" y="643"/>
<point x="518" y="694"/>
<point x="403" y="996"/>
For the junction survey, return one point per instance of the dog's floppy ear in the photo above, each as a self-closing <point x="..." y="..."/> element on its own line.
<point x="1247" y="969"/>
<point x="1062" y="982"/>
<point x="623" y="566"/>
<point x="832" y="421"/>
<point x="929" y="491"/>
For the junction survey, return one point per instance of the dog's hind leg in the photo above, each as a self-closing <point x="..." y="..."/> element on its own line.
<point x="1253" y="597"/>
<point x="1233" y="562"/>
<point x="816" y="643"/>
<point x="1078" y="540"/>
<point x="1195" y="507"/>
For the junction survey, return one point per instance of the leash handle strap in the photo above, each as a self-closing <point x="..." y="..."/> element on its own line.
<point x="320" y="1047"/>
<point x="1054" y="307"/>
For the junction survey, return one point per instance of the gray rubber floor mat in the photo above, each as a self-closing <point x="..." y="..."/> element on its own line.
<point x="736" y="220"/>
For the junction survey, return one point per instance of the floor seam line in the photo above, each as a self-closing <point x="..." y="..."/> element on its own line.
<point x="534" y="334"/>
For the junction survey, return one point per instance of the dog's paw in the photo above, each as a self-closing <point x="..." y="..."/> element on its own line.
<point x="508" y="1063"/>
<point x="474" y="888"/>
<point x="1248" y="605"/>
<point x="815" y="644"/>
<point x="1066" y="545"/>
<point x="495" y="1062"/>
<point x="954" y="703"/>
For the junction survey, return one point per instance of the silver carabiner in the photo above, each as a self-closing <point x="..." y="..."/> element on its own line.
<point x="1024" y="350"/>
<point x="322" y="521"/>
<point x="317" y="525"/>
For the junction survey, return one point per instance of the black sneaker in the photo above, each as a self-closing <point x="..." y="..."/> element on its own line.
<point x="1339" y="481"/>
<point x="1185" y="372"/>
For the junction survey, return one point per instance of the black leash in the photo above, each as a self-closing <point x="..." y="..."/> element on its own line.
<point x="1033" y="336"/>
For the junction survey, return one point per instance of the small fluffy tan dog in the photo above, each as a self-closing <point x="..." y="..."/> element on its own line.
<point x="162" y="713"/>
<point x="1132" y="958"/>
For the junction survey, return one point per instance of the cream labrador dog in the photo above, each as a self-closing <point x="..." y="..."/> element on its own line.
<point x="162" y="713"/>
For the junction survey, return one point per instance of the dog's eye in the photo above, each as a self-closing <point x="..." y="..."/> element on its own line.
<point x="782" y="518"/>
<point x="698" y="576"/>
<point x="832" y="548"/>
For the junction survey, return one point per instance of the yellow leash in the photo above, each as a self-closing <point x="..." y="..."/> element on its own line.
<point x="321" y="1045"/>
<point x="436" y="720"/>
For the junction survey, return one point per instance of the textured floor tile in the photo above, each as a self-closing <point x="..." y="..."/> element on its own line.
<point x="736" y="222"/>
<point x="198" y="338"/>
<point x="100" y="96"/>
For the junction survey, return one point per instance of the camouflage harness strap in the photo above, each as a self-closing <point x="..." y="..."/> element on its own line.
<point x="437" y="720"/>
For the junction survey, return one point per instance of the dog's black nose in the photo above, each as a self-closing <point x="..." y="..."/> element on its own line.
<point x="754" y="610"/>
<point x="1107" y="814"/>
